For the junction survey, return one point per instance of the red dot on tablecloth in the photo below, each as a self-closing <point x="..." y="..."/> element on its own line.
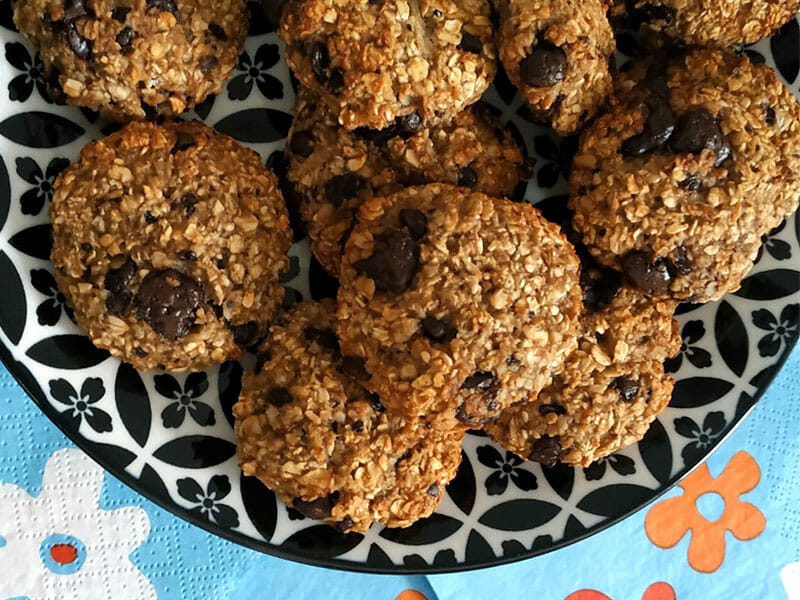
<point x="64" y="554"/>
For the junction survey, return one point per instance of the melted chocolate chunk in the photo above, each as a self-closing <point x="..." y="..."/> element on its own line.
<point x="467" y="177"/>
<point x="376" y="404"/>
<point x="357" y="426"/>
<point x="149" y="218"/>
<point x="207" y="64"/>
<point x="769" y="115"/>
<point x="117" y="282"/>
<point x="316" y="509"/>
<point x="302" y="143"/>
<point x="440" y="331"/>
<point x="183" y="141"/>
<point x="326" y="338"/>
<point x="187" y="255"/>
<point x="415" y="221"/>
<point x="627" y="388"/>
<point x="336" y="80"/>
<point x="408" y="125"/>
<point x="120" y="13"/>
<point x="433" y="490"/>
<point x="600" y="285"/>
<point x="124" y="39"/>
<point x="644" y="273"/>
<point x="139" y="352"/>
<point x="342" y="187"/>
<point x="79" y="44"/>
<point x="188" y="201"/>
<point x="169" y="6"/>
<point x="167" y="301"/>
<point x="696" y="130"/>
<point x="681" y="262"/>
<point x="355" y="367"/>
<point x="659" y="124"/>
<point x="556" y="409"/>
<point x="394" y="262"/>
<point x="546" y="450"/>
<point x="217" y="31"/>
<point x="320" y="60"/>
<point x="544" y="66"/>
<point x="481" y="380"/>
<point x="470" y="43"/>
<point x="245" y="334"/>
<point x="86" y="247"/>
<point x="279" y="396"/>
<point x="690" y="183"/>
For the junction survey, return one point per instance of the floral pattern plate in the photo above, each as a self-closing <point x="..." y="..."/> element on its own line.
<point x="170" y="436"/>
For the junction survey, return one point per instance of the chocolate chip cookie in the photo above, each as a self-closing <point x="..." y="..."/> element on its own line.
<point x="712" y="22"/>
<point x="334" y="170"/>
<point x="557" y="53"/>
<point x="168" y="242"/>
<point x="135" y="59"/>
<point x="695" y="159"/>
<point x="375" y="62"/>
<point x="325" y="445"/>
<point x="610" y="391"/>
<point x="454" y="305"/>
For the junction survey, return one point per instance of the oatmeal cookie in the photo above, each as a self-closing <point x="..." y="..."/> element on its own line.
<point x="693" y="162"/>
<point x="610" y="391"/>
<point x="456" y="305"/>
<point x="375" y="62"/>
<point x="326" y="446"/>
<point x="334" y="170"/>
<point x="168" y="242"/>
<point x="557" y="53"/>
<point x="712" y="22"/>
<point x="135" y="59"/>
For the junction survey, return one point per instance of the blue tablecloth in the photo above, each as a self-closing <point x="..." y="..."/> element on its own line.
<point x="153" y="554"/>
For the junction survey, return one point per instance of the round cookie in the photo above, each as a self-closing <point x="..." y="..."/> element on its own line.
<point x="135" y="59"/>
<point x="374" y="62"/>
<point x="557" y="54"/>
<point x="610" y="391"/>
<point x="712" y="22"/>
<point x="334" y="170"/>
<point x="458" y="305"/>
<point x="325" y="445"/>
<point x="693" y="161"/>
<point x="168" y="242"/>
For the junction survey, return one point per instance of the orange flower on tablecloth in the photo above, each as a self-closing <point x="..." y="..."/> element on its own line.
<point x="657" y="591"/>
<point x="668" y="521"/>
<point x="410" y="595"/>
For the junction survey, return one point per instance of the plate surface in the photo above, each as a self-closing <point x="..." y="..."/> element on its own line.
<point x="498" y="508"/>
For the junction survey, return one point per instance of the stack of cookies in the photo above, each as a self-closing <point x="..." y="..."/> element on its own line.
<point x="457" y="308"/>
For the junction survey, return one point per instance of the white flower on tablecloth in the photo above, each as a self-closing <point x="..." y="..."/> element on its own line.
<point x="60" y="544"/>
<point x="790" y="575"/>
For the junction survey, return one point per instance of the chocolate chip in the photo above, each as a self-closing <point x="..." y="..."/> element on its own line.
<point x="345" y="524"/>
<point x="556" y="409"/>
<point x="188" y="201"/>
<point x="117" y="282"/>
<point x="393" y="264"/>
<point x="546" y="450"/>
<point x="124" y="39"/>
<point x="320" y="60"/>
<point x="627" y="388"/>
<point x="81" y="47"/>
<point x="167" y="301"/>
<point x="438" y="330"/>
<point x="650" y="276"/>
<point x="324" y="337"/>
<point x="512" y="360"/>
<point x="467" y="177"/>
<point x="696" y="130"/>
<point x="681" y="262"/>
<point x="355" y="367"/>
<point x="336" y="80"/>
<point x="408" y="125"/>
<point x="207" y="64"/>
<point x="433" y="490"/>
<point x="316" y="509"/>
<point x="376" y="404"/>
<point x="74" y="9"/>
<point x="544" y="66"/>
<point x="480" y="380"/>
<point x="215" y="308"/>
<point x="470" y="43"/>
<point x="279" y="396"/>
<point x="342" y="187"/>
<point x="600" y="285"/>
<point x="86" y="247"/>
<point x="183" y="141"/>
<point x="769" y="115"/>
<point x="217" y="31"/>
<point x="690" y="183"/>
<point x="169" y="6"/>
<point x="187" y="255"/>
<point x="149" y="218"/>
<point x="302" y="143"/>
<point x="120" y="13"/>
<point x="357" y="426"/>
<point x="659" y="124"/>
<point x="415" y="221"/>
<point x="245" y="334"/>
<point x="139" y="352"/>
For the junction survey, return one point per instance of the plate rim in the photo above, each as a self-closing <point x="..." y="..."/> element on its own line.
<point x="32" y="389"/>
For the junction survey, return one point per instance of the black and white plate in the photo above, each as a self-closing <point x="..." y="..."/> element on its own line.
<point x="170" y="436"/>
